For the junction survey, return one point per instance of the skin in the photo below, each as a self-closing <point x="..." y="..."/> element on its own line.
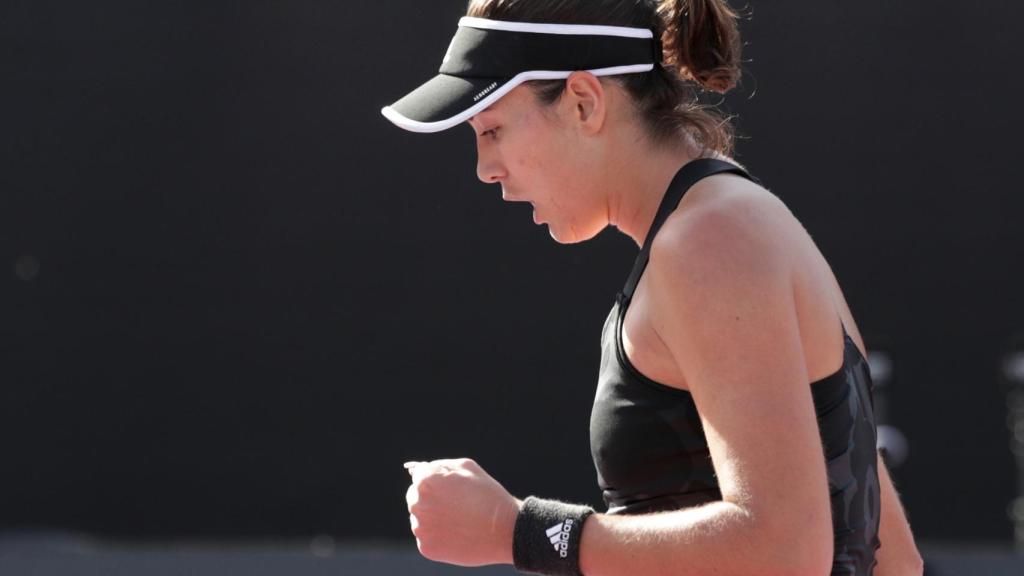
<point x="737" y="306"/>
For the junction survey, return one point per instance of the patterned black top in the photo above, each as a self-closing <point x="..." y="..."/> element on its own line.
<point x="649" y="446"/>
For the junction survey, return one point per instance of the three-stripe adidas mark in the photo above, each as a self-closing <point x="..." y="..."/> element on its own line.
<point x="559" y="536"/>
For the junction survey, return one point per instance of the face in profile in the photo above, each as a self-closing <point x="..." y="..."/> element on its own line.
<point x="538" y="156"/>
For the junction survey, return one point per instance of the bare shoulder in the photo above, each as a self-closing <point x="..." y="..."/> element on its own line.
<point x="719" y="266"/>
<point x="727" y="224"/>
<point x="734" y="248"/>
<point x="722" y="267"/>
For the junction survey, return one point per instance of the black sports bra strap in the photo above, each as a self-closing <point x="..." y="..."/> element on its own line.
<point x="687" y="176"/>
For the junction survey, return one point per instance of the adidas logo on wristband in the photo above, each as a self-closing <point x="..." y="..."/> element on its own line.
<point x="545" y="524"/>
<point x="559" y="536"/>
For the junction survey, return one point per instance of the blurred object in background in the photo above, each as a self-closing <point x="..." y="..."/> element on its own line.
<point x="892" y="442"/>
<point x="1013" y="382"/>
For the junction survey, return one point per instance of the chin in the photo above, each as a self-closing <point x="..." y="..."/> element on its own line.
<point x="558" y="238"/>
<point x="571" y="235"/>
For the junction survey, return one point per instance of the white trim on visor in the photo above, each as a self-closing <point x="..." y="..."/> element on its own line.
<point x="426" y="127"/>
<point x="565" y="29"/>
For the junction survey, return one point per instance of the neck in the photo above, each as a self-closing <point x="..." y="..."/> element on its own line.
<point x="637" y="185"/>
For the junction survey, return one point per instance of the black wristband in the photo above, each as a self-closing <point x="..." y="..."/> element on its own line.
<point x="546" y="539"/>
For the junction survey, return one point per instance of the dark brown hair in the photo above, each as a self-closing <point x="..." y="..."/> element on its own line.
<point x="701" y="50"/>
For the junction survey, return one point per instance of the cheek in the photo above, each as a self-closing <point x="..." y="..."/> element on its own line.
<point x="542" y="159"/>
<point x="537" y="145"/>
<point x="533" y="156"/>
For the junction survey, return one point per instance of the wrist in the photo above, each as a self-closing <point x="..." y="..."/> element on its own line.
<point x="505" y="524"/>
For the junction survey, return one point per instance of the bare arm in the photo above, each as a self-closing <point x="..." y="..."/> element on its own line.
<point x="718" y="538"/>
<point x="898" y="555"/>
<point x="648" y="535"/>
<point x="726" y="311"/>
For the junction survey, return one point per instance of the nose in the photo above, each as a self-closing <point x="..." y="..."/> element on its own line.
<point x="489" y="168"/>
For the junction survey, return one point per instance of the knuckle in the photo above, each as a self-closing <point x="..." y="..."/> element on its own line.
<point x="427" y="484"/>
<point x="425" y="549"/>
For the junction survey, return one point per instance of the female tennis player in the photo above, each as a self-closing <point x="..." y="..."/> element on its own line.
<point x="732" y="427"/>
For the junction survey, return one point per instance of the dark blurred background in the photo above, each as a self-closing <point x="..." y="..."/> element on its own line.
<point x="234" y="298"/>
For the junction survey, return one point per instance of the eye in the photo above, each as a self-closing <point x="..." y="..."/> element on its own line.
<point x="492" y="133"/>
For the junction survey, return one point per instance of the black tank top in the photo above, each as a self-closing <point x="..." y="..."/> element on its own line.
<point x="649" y="446"/>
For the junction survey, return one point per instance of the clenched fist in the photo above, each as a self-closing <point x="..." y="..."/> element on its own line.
<point x="459" y="514"/>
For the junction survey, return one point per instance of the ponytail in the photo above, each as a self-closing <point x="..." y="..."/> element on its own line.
<point x="702" y="41"/>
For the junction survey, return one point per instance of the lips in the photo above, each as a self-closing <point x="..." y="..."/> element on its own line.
<point x="536" y="218"/>
<point x="510" y="198"/>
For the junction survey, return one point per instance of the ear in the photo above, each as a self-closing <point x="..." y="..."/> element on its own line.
<point x="588" y="100"/>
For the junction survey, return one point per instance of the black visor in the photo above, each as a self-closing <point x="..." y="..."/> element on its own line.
<point x="488" y="58"/>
